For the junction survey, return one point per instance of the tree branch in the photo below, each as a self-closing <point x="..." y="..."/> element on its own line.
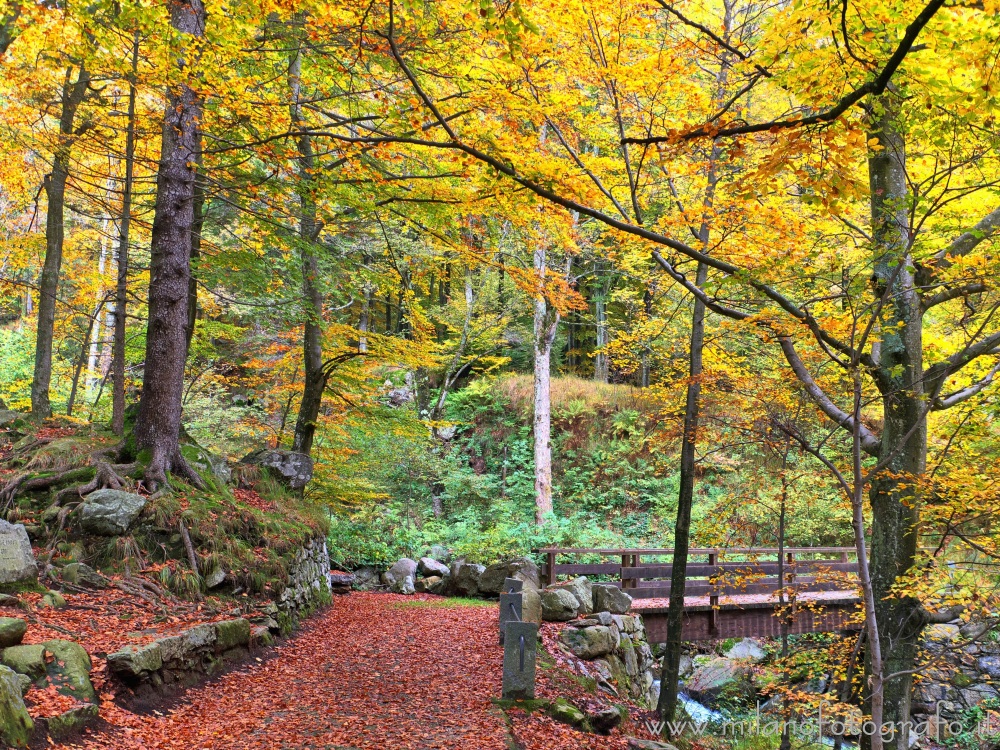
<point x="967" y="241"/>
<point x="946" y="402"/>
<point x="869" y="442"/>
<point x="874" y="87"/>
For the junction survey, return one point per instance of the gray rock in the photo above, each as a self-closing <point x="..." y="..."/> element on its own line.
<point x="628" y="655"/>
<point x="110" y="512"/>
<point x="610" y="598"/>
<point x="558" y="605"/>
<point x="531" y="606"/>
<point x="425" y="585"/>
<point x="440" y="588"/>
<point x="81" y="574"/>
<point x="200" y="636"/>
<point x="366" y="578"/>
<point x="977" y="694"/>
<point x="439" y="553"/>
<point x="976" y="629"/>
<point x="708" y="679"/>
<point x="293" y="469"/>
<point x="12" y="630"/>
<point x="400" y="577"/>
<point x="133" y="662"/>
<point x="428" y="566"/>
<point x="16" y="725"/>
<point x="465" y="577"/>
<point x="686" y="666"/>
<point x="940" y="632"/>
<point x="603" y="720"/>
<point x="17" y="561"/>
<point x="521" y="568"/>
<point x="582" y="590"/>
<point x="748" y="650"/>
<point x="342" y="583"/>
<point x="589" y="643"/>
<point x="989" y="665"/>
<point x="637" y="744"/>
<point x="215" y="579"/>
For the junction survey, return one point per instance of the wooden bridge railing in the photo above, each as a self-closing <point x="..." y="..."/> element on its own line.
<point x="713" y="572"/>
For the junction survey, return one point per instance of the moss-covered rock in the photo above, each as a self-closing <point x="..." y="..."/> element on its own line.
<point x="564" y="711"/>
<point x="72" y="721"/>
<point x="27" y="660"/>
<point x="135" y="661"/>
<point x="69" y="670"/>
<point x="53" y="600"/>
<point x="15" y="723"/>
<point x="12" y="630"/>
<point x="232" y="633"/>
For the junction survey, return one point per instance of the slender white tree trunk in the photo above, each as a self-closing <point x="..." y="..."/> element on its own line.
<point x="546" y="323"/>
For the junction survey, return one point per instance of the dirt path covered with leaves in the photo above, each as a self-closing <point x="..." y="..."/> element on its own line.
<point x="375" y="671"/>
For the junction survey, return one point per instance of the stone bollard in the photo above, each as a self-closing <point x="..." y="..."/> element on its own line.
<point x="512" y="585"/>
<point x="520" y="644"/>
<point x="510" y="611"/>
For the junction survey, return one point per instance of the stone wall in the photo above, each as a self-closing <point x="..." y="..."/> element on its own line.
<point x="183" y="659"/>
<point x="963" y="670"/>
<point x="611" y="649"/>
<point x="308" y="586"/>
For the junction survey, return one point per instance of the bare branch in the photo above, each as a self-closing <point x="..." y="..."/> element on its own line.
<point x="967" y="242"/>
<point x="946" y="402"/>
<point x="869" y="442"/>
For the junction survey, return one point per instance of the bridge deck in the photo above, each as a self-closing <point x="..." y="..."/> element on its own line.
<point x="756" y="616"/>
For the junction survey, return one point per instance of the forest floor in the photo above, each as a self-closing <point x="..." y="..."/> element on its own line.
<point x="371" y="672"/>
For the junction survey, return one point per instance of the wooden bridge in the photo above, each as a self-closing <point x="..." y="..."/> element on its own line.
<point x="728" y="592"/>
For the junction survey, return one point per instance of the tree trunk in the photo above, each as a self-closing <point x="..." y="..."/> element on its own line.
<point x="48" y="286"/>
<point x="309" y="229"/>
<point x="545" y="325"/>
<point x="904" y="436"/>
<point x="157" y="427"/>
<point x="667" y="704"/>
<point x="601" y="325"/>
<point x="124" y="227"/>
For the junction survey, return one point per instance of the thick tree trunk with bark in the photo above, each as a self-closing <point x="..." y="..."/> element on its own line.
<point x="157" y="427"/>
<point x="312" y="295"/>
<point x="904" y="436"/>
<point x="48" y="286"/>
<point x="545" y="326"/>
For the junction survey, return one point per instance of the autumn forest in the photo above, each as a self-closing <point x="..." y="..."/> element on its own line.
<point x="422" y="292"/>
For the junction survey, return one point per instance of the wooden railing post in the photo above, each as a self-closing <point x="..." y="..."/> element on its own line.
<point x="713" y="597"/>
<point x="550" y="568"/>
<point x="627" y="562"/>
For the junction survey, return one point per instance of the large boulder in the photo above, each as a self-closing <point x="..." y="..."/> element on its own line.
<point x="582" y="590"/>
<point x="69" y="670"/>
<point x="746" y="649"/>
<point x="400" y="577"/>
<point x="711" y="678"/>
<point x="521" y="568"/>
<point x="110" y="512"/>
<point x="12" y="630"/>
<point x="589" y="643"/>
<point x="366" y="578"/>
<point x="15" y="723"/>
<point x="465" y="577"/>
<point x="610" y="598"/>
<point x="291" y="468"/>
<point x="27" y="660"/>
<point x="428" y="566"/>
<point x="531" y="606"/>
<point x="558" y="605"/>
<point x="17" y="561"/>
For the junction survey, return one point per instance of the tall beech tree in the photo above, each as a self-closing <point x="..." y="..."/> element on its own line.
<point x="74" y="89"/>
<point x="158" y="423"/>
